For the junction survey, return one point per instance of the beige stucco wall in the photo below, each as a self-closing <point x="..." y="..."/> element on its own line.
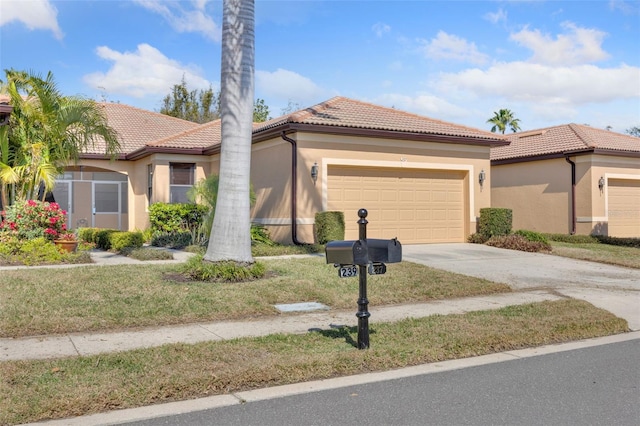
<point x="539" y="192"/>
<point x="271" y="174"/>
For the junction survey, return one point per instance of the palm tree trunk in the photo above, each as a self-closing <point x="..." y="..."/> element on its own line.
<point x="231" y="230"/>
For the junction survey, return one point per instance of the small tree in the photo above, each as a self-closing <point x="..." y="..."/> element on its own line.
<point x="633" y="131"/>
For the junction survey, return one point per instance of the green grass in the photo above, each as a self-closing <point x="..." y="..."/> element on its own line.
<point x="598" y="252"/>
<point x="38" y="390"/>
<point x="90" y="298"/>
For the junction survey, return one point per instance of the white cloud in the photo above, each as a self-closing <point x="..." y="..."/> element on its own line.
<point x="147" y="71"/>
<point x="381" y="29"/>
<point x="496" y="17"/>
<point x="422" y="103"/>
<point x="39" y="15"/>
<point x="576" y="46"/>
<point x="521" y="81"/>
<point x="184" y="19"/>
<point x="288" y="85"/>
<point x="447" y="46"/>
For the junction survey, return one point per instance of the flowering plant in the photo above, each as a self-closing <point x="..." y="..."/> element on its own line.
<point x="67" y="236"/>
<point x="32" y="219"/>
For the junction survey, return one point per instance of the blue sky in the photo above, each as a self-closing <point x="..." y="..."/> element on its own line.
<point x="550" y="62"/>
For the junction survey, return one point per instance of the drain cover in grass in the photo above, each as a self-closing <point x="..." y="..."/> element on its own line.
<point x="304" y="306"/>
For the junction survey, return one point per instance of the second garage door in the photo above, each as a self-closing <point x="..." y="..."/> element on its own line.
<point x="624" y="208"/>
<point x="416" y="206"/>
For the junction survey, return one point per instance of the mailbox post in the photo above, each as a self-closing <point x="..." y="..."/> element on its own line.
<point x="355" y="258"/>
<point x="363" y="303"/>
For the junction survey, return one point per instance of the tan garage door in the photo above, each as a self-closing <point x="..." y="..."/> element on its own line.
<point x="624" y="208"/>
<point x="416" y="206"/>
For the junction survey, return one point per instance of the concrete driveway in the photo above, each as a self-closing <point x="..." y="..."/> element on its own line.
<point x="613" y="288"/>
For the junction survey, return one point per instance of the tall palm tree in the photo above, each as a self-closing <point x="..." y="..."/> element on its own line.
<point x="231" y="230"/>
<point x="47" y="131"/>
<point x="502" y="119"/>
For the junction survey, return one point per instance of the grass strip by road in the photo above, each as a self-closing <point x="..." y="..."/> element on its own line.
<point x="37" y="390"/>
<point x="596" y="252"/>
<point x="90" y="298"/>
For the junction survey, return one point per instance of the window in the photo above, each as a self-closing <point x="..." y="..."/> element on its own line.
<point x="181" y="181"/>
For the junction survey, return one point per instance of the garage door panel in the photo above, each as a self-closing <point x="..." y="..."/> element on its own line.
<point x="624" y="208"/>
<point x="416" y="206"/>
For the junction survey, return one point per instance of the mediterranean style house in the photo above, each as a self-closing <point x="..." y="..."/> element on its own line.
<point x="421" y="180"/>
<point x="569" y="179"/>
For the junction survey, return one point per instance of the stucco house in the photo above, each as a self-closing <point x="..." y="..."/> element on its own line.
<point x="569" y="179"/>
<point x="419" y="178"/>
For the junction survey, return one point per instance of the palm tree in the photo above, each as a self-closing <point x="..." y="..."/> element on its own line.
<point x="231" y="230"/>
<point x="47" y="131"/>
<point x="502" y="119"/>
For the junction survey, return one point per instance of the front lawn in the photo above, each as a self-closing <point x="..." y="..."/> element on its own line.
<point x="92" y="298"/>
<point x="598" y="252"/>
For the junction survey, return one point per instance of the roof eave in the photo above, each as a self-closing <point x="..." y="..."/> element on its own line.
<point x="276" y="131"/>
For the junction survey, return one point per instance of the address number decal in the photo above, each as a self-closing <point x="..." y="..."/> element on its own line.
<point x="377" y="269"/>
<point x="347" y="271"/>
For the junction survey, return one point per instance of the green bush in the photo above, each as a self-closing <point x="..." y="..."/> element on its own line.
<point x="102" y="238"/>
<point x="617" y="241"/>
<point x="495" y="222"/>
<point x="517" y="242"/>
<point x="200" y="270"/>
<point x="571" y="239"/>
<point x="532" y="236"/>
<point x="259" y="235"/>
<point x="178" y="217"/>
<point x="175" y="240"/>
<point x="329" y="226"/>
<point x="122" y="240"/>
<point x="88" y="235"/>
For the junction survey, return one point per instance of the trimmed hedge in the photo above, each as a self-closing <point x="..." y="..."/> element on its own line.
<point x="178" y="217"/>
<point x="617" y="241"/>
<point x="329" y="226"/>
<point x="532" y="236"/>
<point x="572" y="239"/>
<point x="126" y="240"/>
<point x="495" y="222"/>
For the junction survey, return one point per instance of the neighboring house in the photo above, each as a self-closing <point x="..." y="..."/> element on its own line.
<point x="569" y="179"/>
<point x="417" y="177"/>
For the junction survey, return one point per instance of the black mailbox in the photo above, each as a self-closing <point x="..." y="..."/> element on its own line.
<point x="346" y="253"/>
<point x="384" y="251"/>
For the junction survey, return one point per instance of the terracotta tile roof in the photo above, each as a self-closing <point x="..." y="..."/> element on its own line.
<point x="203" y="136"/>
<point x="137" y="127"/>
<point x="565" y="138"/>
<point x="345" y="112"/>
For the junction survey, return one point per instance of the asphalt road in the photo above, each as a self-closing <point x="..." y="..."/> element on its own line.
<point x="598" y="385"/>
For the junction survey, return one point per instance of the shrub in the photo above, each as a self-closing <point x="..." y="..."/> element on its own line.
<point x="477" y="238"/>
<point x="495" y="222"/>
<point x="572" y="239"/>
<point x="175" y="240"/>
<point x="617" y="241"/>
<point x="329" y="226"/>
<point x="199" y="269"/>
<point x="517" y="242"/>
<point x="176" y="217"/>
<point x="532" y="236"/>
<point x="87" y="235"/>
<point x="122" y="240"/>
<point x="102" y="238"/>
<point x="259" y="235"/>
<point x="33" y="219"/>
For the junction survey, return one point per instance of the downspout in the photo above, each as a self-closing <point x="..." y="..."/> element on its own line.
<point x="294" y="188"/>
<point x="573" y="195"/>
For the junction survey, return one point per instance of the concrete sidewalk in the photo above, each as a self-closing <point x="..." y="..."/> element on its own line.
<point x="469" y="259"/>
<point x="81" y="344"/>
